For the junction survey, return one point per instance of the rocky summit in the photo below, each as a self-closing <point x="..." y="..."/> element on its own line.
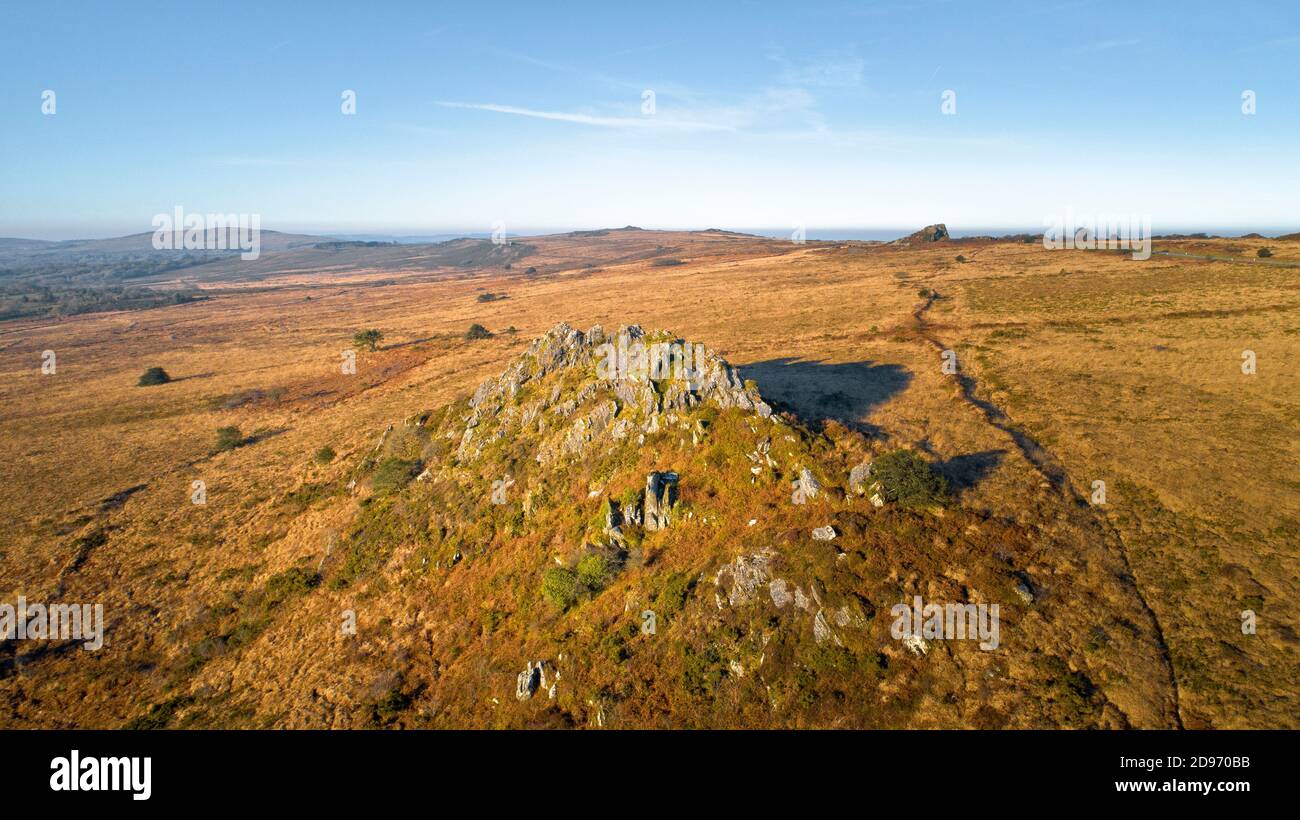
<point x="623" y="517"/>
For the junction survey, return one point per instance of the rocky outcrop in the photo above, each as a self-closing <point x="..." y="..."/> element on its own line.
<point x="860" y="478"/>
<point x="660" y="497"/>
<point x="930" y="233"/>
<point x="602" y="387"/>
<point x="806" y="487"/>
<point x="529" y="680"/>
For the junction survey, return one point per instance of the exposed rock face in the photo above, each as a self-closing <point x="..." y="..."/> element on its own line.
<point x="860" y="478"/>
<point x="738" y="582"/>
<point x="805" y="487"/>
<point x="529" y="681"/>
<point x="660" y="497"/>
<point x="930" y="233"/>
<point x="625" y="383"/>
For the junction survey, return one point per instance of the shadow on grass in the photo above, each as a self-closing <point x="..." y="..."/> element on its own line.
<point x="965" y="471"/>
<point x="818" y="392"/>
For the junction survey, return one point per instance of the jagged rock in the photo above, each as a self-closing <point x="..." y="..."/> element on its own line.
<point x="1024" y="592"/>
<point x="780" y="592"/>
<point x="846" y="617"/>
<point x="917" y="644"/>
<point x="821" y="630"/>
<point x="801" y="601"/>
<point x="826" y="533"/>
<point x="805" y="487"/>
<point x="739" y="581"/>
<point x="877" y="494"/>
<point x="529" y="681"/>
<point x="660" y="498"/>
<point x="930" y="233"/>
<point x="859" y="477"/>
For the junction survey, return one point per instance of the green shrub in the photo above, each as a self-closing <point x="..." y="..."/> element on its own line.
<point x="672" y="597"/>
<point x="560" y="587"/>
<point x="367" y="339"/>
<point x="152" y="376"/>
<point x="325" y="455"/>
<point x="289" y="584"/>
<point x="228" y="438"/>
<point x="909" y="480"/>
<point x="477" y="331"/>
<point x="1263" y="253"/>
<point x="393" y="474"/>
<point x="593" y="572"/>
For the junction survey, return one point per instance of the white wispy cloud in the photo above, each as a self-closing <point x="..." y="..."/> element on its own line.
<point x="648" y="123"/>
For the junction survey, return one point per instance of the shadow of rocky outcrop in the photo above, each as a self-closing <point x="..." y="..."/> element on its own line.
<point x="818" y="391"/>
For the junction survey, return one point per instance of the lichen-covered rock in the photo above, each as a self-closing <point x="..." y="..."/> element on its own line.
<point x="610" y="386"/>
<point x="806" y="487"/>
<point x="660" y="497"/>
<point x="739" y="582"/>
<point x="860" y="478"/>
<point x="529" y="681"/>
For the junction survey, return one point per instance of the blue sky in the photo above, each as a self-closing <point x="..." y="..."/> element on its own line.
<point x="826" y="115"/>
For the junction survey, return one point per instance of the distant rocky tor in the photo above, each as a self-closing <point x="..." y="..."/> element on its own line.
<point x="930" y="233"/>
<point x="624" y="518"/>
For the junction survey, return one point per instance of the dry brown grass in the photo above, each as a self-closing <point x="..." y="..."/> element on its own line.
<point x="1121" y="370"/>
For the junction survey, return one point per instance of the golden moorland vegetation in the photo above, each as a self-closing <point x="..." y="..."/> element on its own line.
<point x="1073" y="367"/>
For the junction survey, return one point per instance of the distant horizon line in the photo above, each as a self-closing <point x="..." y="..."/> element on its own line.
<point x="844" y="233"/>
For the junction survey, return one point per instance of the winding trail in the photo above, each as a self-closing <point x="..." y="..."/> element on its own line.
<point x="1054" y="473"/>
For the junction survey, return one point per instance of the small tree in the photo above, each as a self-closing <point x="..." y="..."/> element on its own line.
<point x="1263" y="253"/>
<point x="228" y="438"/>
<point x="152" y="376"/>
<point x="477" y="331"/>
<point x="367" y="339"/>
<point x="909" y="480"/>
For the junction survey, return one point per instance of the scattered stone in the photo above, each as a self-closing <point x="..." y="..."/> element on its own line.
<point x="917" y="644"/>
<point x="826" y="533"/>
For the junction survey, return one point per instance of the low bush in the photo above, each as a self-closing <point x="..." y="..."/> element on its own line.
<point x="908" y="479"/>
<point x="152" y="376"/>
<point x="228" y="438"/>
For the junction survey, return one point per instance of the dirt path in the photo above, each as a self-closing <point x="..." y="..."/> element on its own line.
<point x="1055" y="474"/>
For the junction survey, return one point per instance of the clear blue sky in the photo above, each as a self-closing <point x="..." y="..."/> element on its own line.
<point x="767" y="114"/>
